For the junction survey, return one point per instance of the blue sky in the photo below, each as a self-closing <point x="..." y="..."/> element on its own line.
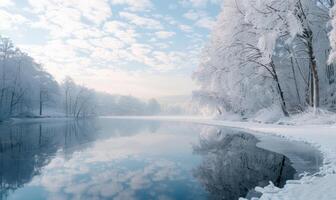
<point x="145" y="48"/>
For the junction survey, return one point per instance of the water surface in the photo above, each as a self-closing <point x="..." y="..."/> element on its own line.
<point x="140" y="159"/>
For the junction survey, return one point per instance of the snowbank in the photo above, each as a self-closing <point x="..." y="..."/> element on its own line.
<point x="309" y="117"/>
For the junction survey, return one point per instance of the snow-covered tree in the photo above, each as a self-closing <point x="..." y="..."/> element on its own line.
<point x="266" y="54"/>
<point x="237" y="73"/>
<point x="24" y="85"/>
<point x="78" y="101"/>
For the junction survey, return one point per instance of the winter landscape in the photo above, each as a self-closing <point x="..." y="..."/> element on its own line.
<point x="183" y="99"/>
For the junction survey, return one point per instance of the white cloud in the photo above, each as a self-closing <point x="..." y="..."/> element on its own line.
<point x="191" y="15"/>
<point x="86" y="32"/>
<point x="96" y="11"/>
<point x="185" y="28"/>
<point x="199" y="3"/>
<point x="206" y="22"/>
<point x="10" y="21"/>
<point x="127" y="36"/>
<point x="63" y="19"/>
<point x="164" y="34"/>
<point x="201" y="18"/>
<point x="134" y="5"/>
<point x="6" y="3"/>
<point x="140" y="21"/>
<point x="140" y="51"/>
<point x="112" y="26"/>
<point x="108" y="43"/>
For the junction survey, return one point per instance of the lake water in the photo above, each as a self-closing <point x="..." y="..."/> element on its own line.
<point x="110" y="158"/>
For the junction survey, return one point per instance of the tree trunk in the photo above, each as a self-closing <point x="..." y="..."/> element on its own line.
<point x="315" y="79"/>
<point x="219" y="111"/>
<point x="316" y="86"/>
<point x="282" y="99"/>
<point x="41" y="103"/>
<point x="11" y="104"/>
<point x="307" y="38"/>
<point x="295" y="81"/>
<point x="40" y="135"/>
<point x="311" y="86"/>
<point x="66" y="104"/>
<point x="3" y="85"/>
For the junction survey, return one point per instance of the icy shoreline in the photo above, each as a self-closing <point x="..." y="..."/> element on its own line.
<point x="319" y="186"/>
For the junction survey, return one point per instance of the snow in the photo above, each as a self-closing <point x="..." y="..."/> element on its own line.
<point x="321" y="135"/>
<point x="309" y="117"/>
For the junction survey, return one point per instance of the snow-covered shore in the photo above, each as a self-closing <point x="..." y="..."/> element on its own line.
<point x="319" y="186"/>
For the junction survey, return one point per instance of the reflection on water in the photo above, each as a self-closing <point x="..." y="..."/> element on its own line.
<point x="305" y="158"/>
<point x="233" y="165"/>
<point x="103" y="159"/>
<point x="25" y="148"/>
<point x="132" y="159"/>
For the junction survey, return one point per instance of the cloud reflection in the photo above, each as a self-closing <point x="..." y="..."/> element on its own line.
<point x="117" y="161"/>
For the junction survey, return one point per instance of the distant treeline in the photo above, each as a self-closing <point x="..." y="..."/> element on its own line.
<point x="27" y="90"/>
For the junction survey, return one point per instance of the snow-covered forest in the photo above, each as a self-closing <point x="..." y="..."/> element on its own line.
<point x="184" y="99"/>
<point x="269" y="56"/>
<point x="27" y="90"/>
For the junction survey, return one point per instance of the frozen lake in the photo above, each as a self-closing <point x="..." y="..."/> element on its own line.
<point x="142" y="159"/>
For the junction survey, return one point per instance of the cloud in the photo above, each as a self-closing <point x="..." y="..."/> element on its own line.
<point x="201" y="18"/>
<point x="6" y="3"/>
<point x="164" y="34"/>
<point x="143" y="22"/>
<point x="10" y="21"/>
<point x="94" y="11"/>
<point x="128" y="36"/>
<point x="108" y="42"/>
<point x="134" y="5"/>
<point x="85" y="39"/>
<point x="207" y="23"/>
<point x="185" y="28"/>
<point x="64" y="19"/>
<point x="114" y="25"/>
<point x="199" y="3"/>
<point x="192" y="15"/>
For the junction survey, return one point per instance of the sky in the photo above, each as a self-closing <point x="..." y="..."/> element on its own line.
<point x="144" y="48"/>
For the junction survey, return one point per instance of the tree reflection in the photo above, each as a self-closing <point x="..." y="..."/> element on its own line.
<point x="233" y="165"/>
<point x="25" y="148"/>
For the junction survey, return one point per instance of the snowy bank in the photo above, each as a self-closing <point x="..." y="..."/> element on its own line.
<point x="318" y="186"/>
<point x="322" y="136"/>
